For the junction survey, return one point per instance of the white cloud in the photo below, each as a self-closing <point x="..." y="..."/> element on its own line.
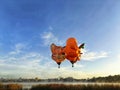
<point x="91" y="56"/>
<point x="118" y="56"/>
<point x="34" y="64"/>
<point x="25" y="65"/>
<point x="77" y="65"/>
<point x="112" y="67"/>
<point x="18" y="48"/>
<point x="49" y="37"/>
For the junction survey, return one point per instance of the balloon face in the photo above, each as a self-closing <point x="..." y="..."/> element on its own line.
<point x="58" y="54"/>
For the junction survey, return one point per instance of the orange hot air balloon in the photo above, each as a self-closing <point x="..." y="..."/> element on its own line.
<point x="58" y="54"/>
<point x="72" y="51"/>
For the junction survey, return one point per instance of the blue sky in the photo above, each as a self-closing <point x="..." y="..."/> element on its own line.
<point x="28" y="27"/>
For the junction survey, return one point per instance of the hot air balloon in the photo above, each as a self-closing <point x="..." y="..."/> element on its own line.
<point x="58" y="54"/>
<point x="72" y="51"/>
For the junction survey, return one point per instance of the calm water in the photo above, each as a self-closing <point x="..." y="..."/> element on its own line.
<point x="28" y="85"/>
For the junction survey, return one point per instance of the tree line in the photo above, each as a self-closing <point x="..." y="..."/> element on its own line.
<point x="115" y="78"/>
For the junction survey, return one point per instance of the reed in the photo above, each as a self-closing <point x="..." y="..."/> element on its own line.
<point x="76" y="87"/>
<point x="10" y="87"/>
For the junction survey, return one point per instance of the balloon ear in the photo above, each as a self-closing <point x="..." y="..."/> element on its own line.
<point x="82" y="46"/>
<point x="52" y="45"/>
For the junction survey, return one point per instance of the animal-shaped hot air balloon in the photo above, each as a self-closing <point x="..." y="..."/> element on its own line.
<point x="71" y="51"/>
<point x="58" y="54"/>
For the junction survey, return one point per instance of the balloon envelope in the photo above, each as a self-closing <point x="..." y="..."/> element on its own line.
<point x="58" y="54"/>
<point x="72" y="51"/>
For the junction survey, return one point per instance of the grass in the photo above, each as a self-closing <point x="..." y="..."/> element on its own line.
<point x="76" y="87"/>
<point x="10" y="87"/>
<point x="63" y="87"/>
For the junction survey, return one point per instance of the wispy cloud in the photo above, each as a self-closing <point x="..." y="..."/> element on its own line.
<point x="18" y="48"/>
<point x="91" y="56"/>
<point x="19" y="63"/>
<point x="24" y="65"/>
<point x="112" y="66"/>
<point x="118" y="56"/>
<point x="49" y="37"/>
<point x="33" y="64"/>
